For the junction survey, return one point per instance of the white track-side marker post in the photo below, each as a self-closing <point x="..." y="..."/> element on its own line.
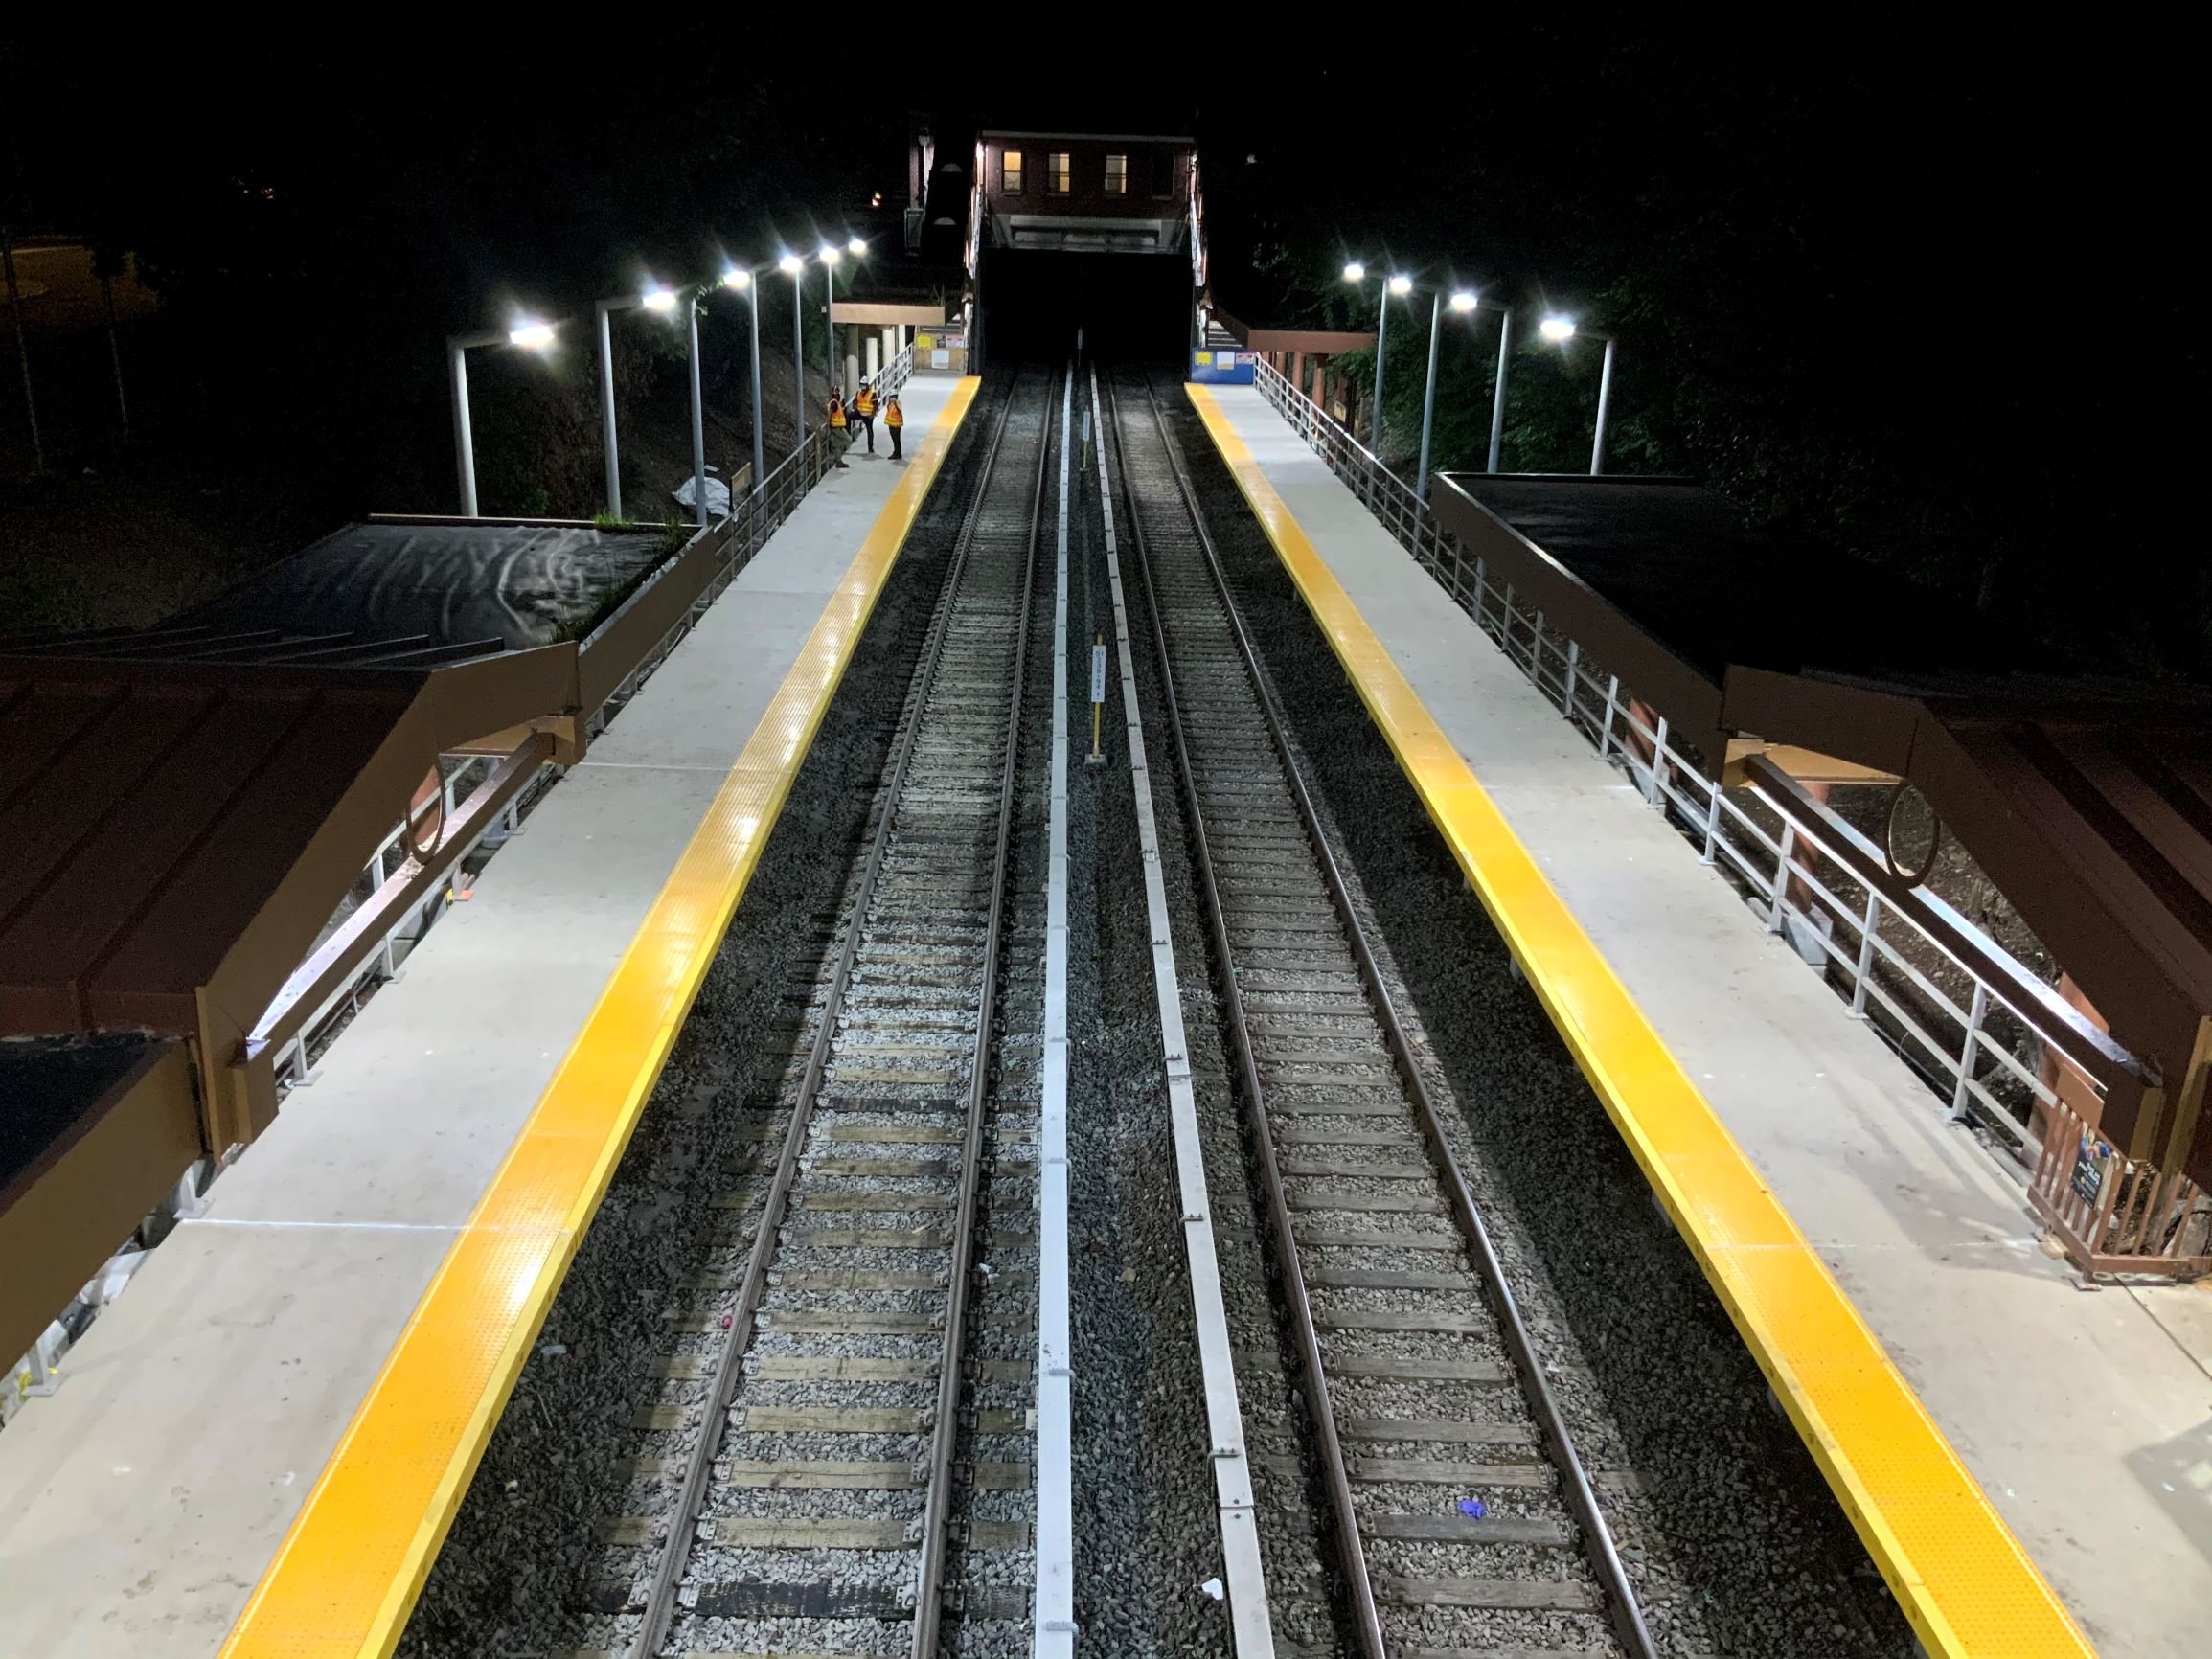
<point x="1097" y="696"/>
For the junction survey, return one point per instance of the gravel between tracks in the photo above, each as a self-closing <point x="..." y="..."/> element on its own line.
<point x="1147" y="1537"/>
<point x="516" y="1568"/>
<point x="1733" y="1538"/>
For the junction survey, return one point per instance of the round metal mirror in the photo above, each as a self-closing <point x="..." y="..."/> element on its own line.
<point x="1911" y="836"/>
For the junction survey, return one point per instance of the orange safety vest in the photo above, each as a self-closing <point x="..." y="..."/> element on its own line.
<point x="865" y="402"/>
<point x="836" y="416"/>
<point x="893" y="415"/>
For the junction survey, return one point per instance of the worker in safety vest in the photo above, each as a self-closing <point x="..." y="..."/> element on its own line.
<point x="894" y="420"/>
<point x="838" y="427"/>
<point x="864" y="412"/>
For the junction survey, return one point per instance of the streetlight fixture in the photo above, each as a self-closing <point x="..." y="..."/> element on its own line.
<point x="830" y="254"/>
<point x="740" y="278"/>
<point x="1464" y="301"/>
<point x="1498" y="394"/>
<point x="660" y="301"/>
<point x="1560" y="330"/>
<point x="699" y="403"/>
<point x="794" y="267"/>
<point x="1356" y="274"/>
<point x="528" y="333"/>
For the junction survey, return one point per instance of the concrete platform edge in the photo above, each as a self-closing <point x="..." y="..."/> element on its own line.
<point x="1962" y="1578"/>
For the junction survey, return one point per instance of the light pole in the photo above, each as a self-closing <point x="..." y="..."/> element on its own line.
<point x="1356" y="274"/>
<point x="698" y="412"/>
<point x="1558" y="330"/>
<point x="741" y="277"/>
<point x="858" y="247"/>
<point x="1497" y="397"/>
<point x="1463" y="301"/>
<point x="1604" y="398"/>
<point x="830" y="256"/>
<point x="655" y="298"/>
<point x="531" y="335"/>
<point x="794" y="267"/>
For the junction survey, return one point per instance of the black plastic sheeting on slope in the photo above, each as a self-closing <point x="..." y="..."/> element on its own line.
<point x="1686" y="565"/>
<point x="523" y="584"/>
<point x="47" y="1083"/>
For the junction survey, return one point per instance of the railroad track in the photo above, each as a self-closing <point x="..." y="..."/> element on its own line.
<point x="829" y="1438"/>
<point x="1465" y="1523"/>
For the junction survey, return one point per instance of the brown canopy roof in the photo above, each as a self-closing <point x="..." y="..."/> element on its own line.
<point x="2087" y="802"/>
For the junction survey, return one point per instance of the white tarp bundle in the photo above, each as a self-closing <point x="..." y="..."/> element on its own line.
<point x="717" y="494"/>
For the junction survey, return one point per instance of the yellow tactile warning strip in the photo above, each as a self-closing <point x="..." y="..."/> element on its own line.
<point x="349" y="1571"/>
<point x="1963" y="1579"/>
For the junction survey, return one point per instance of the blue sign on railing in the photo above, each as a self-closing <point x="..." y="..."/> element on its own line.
<point x="1222" y="368"/>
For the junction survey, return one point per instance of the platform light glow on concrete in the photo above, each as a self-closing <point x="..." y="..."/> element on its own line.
<point x="1962" y="1580"/>
<point x="1557" y="329"/>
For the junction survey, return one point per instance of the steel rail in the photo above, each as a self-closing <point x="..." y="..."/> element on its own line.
<point x="928" y="1598"/>
<point x="661" y="1598"/>
<point x="1352" y="1560"/>
<point x="1543" y="1405"/>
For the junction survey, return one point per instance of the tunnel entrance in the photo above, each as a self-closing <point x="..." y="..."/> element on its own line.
<point x="1135" y="308"/>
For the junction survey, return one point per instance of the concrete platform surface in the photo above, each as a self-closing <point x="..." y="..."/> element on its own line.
<point x="141" y="1505"/>
<point x="2085" y="1415"/>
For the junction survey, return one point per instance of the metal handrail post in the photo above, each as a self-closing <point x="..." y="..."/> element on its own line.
<point x="1869" y="925"/>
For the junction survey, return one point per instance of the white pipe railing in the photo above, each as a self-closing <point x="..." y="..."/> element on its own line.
<point x="896" y="372"/>
<point x="751" y="521"/>
<point x="1952" y="1047"/>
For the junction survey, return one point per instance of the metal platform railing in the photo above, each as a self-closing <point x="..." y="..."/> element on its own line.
<point x="1958" y="1018"/>
<point x="896" y="372"/>
<point x="484" y="798"/>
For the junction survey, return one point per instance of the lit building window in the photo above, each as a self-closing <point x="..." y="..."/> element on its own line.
<point x="1056" y="173"/>
<point x="1010" y="172"/>
<point x="1117" y="175"/>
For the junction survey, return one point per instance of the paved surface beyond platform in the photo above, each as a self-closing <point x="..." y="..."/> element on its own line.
<point x="2085" y="1416"/>
<point x="141" y="1505"/>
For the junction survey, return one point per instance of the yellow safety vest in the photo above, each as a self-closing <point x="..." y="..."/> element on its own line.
<point x="836" y="415"/>
<point x="865" y="403"/>
<point x="893" y="415"/>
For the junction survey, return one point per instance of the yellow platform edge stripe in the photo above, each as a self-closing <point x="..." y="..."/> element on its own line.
<point x="1968" y="1587"/>
<point x="349" y="1570"/>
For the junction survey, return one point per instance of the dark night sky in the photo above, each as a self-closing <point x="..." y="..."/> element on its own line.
<point x="1912" y="294"/>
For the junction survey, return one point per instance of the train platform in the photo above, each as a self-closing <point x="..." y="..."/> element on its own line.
<point x="258" y="1449"/>
<point x="2027" y="1460"/>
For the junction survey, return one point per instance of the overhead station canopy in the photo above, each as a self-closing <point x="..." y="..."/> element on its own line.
<point x="1313" y="342"/>
<point x="186" y="806"/>
<point x="2087" y="802"/>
